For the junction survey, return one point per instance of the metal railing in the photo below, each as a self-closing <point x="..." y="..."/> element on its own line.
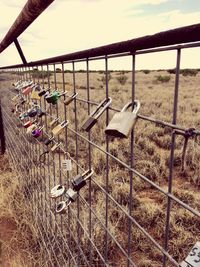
<point x="100" y="228"/>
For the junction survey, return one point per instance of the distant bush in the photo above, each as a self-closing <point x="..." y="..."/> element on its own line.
<point x="58" y="70"/>
<point x="184" y="72"/>
<point x="163" y="79"/>
<point x="171" y="71"/>
<point x="122" y="79"/>
<point x="189" y="72"/>
<point x="146" y="71"/>
<point x="103" y="79"/>
<point x="41" y="74"/>
<point x="68" y="71"/>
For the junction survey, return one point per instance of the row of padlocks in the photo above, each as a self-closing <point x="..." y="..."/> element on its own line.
<point x="120" y="126"/>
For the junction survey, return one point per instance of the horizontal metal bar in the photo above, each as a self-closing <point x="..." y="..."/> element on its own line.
<point x="31" y="10"/>
<point x="177" y="36"/>
<point x="147" y="118"/>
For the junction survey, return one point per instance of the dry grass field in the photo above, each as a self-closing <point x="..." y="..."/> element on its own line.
<point x="151" y="158"/>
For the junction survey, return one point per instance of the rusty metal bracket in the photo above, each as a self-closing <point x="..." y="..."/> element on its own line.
<point x="19" y="49"/>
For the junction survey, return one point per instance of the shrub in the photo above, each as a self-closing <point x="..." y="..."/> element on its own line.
<point x="103" y="79"/>
<point x="58" y="70"/>
<point x="146" y="71"/>
<point x="122" y="79"/>
<point x="163" y="79"/>
<point x="189" y="72"/>
<point x="41" y="74"/>
<point x="171" y="71"/>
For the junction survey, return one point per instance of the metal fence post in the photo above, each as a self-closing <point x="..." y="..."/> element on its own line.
<point x="2" y="136"/>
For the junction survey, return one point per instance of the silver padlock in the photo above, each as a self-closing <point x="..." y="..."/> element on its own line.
<point x="62" y="206"/>
<point x="122" y="122"/>
<point x="57" y="191"/>
<point x="91" y="121"/>
<point x="70" y="98"/>
<point x="80" y="180"/>
<point x="67" y="163"/>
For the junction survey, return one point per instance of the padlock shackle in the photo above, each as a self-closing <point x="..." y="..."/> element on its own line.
<point x="64" y="123"/>
<point x="62" y="93"/>
<point x="136" y="105"/>
<point x="52" y="94"/>
<point x="61" y="207"/>
<point x="101" y="107"/>
<point x="87" y="174"/>
<point x="55" y="146"/>
<point x="74" y="95"/>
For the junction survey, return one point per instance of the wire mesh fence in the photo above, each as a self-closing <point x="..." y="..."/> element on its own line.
<point x="127" y="211"/>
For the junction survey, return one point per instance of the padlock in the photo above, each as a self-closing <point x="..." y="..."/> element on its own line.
<point x="25" y="84"/>
<point x="43" y="92"/>
<point x="122" y="122"/>
<point x="52" y="98"/>
<point x="70" y="99"/>
<point x="34" y="95"/>
<point x="57" y="191"/>
<point x="37" y="132"/>
<point x="32" y="112"/>
<point x="62" y="206"/>
<point x="58" y="129"/>
<point x="54" y="147"/>
<point x="31" y="128"/>
<point x="48" y="141"/>
<point x="80" y="180"/>
<point x="53" y="122"/>
<point x="23" y="101"/>
<point x="41" y="113"/>
<point x="16" y="83"/>
<point x="23" y="115"/>
<point x="27" y="90"/>
<point x="67" y="163"/>
<point x="90" y="122"/>
<point x="15" y="98"/>
<point x="28" y="123"/>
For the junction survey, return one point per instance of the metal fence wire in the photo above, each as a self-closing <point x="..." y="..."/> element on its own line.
<point x="98" y="218"/>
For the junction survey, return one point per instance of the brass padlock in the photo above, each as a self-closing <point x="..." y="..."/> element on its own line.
<point x="34" y="95"/>
<point x="53" y="122"/>
<point x="123" y="122"/>
<point x="15" y="98"/>
<point x="90" y="122"/>
<point x="70" y="98"/>
<point x="54" y="147"/>
<point x="58" y="129"/>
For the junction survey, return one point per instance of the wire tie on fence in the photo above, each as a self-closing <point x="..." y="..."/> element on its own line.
<point x="188" y="133"/>
<point x="42" y="157"/>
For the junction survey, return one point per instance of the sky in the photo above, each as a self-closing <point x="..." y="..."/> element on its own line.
<point x="73" y="25"/>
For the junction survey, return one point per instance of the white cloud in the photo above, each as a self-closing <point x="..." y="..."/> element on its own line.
<point x="70" y="26"/>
